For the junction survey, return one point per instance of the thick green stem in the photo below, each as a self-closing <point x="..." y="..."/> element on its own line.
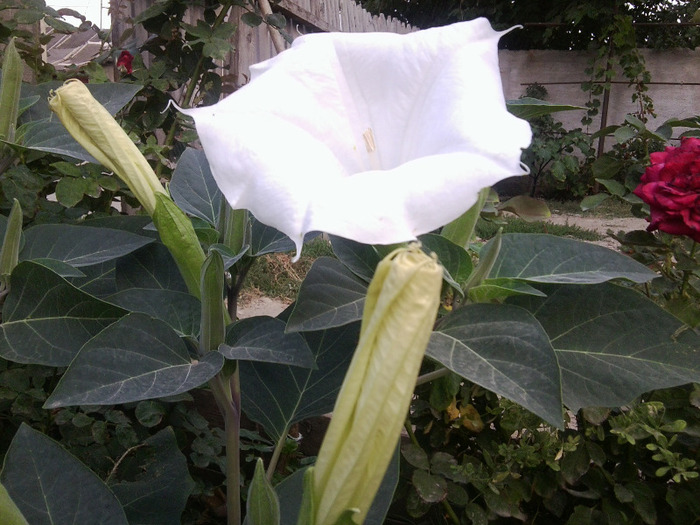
<point x="276" y="455"/>
<point x="228" y="396"/>
<point x="432" y="376"/>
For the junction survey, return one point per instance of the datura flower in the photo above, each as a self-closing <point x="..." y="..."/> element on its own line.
<point x="400" y="309"/>
<point x="97" y="131"/>
<point x="376" y="137"/>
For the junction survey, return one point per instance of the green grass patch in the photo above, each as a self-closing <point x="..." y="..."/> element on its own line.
<point x="608" y="208"/>
<point x="487" y="229"/>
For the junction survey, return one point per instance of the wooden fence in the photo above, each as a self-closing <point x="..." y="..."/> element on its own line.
<point x="254" y="44"/>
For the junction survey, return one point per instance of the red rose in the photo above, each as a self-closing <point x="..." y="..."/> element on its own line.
<point x="124" y="62"/>
<point x="671" y="188"/>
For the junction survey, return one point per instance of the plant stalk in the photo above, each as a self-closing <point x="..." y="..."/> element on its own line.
<point x="432" y="376"/>
<point x="276" y="455"/>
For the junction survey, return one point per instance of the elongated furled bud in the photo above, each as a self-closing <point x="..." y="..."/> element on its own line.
<point x="12" y="71"/>
<point x="9" y="252"/>
<point x="400" y="310"/>
<point x="96" y="130"/>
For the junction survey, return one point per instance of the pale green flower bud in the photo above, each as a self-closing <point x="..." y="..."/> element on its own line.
<point x="96" y="130"/>
<point x="400" y="310"/>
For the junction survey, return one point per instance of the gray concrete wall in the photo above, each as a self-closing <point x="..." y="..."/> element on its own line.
<point x="675" y="85"/>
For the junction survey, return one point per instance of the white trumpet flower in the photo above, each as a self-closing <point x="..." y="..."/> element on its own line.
<point x="376" y="137"/>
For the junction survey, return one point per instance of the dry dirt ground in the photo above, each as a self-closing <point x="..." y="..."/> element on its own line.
<point x="259" y="305"/>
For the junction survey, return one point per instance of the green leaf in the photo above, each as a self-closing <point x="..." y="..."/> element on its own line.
<point x="415" y="455"/>
<point x="592" y="201"/>
<point x="456" y="262"/>
<point x="9" y="513"/>
<point x="46" y="319"/>
<point x="263" y="339"/>
<point x="263" y="507"/>
<point x="181" y="311"/>
<point x="500" y="288"/>
<point x="157" y="492"/>
<point x="70" y="191"/>
<point x="430" y="488"/>
<point x="505" y="350"/>
<point x="290" y="495"/>
<point x="193" y="187"/>
<point x="266" y="239"/>
<point x="612" y="343"/>
<point x="606" y="167"/>
<point x="361" y="259"/>
<point x="78" y="245"/>
<point x="50" y="486"/>
<point x="251" y="19"/>
<point x="135" y="358"/>
<point x="330" y="296"/>
<point x="548" y="259"/>
<point x="527" y="208"/>
<point x="277" y="396"/>
<point x="614" y="187"/>
<point x="150" y="267"/>
<point x="529" y="108"/>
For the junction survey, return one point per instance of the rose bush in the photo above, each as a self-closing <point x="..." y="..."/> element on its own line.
<point x="671" y="188"/>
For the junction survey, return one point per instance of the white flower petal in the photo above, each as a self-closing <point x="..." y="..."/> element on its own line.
<point x="376" y="137"/>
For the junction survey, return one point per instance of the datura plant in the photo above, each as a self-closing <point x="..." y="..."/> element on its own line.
<point x="373" y="137"/>
<point x="400" y="310"/>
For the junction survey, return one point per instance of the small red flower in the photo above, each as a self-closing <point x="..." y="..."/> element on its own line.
<point x="671" y="188"/>
<point x="124" y="62"/>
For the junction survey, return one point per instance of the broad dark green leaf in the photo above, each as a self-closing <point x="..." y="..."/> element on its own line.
<point x="362" y="259"/>
<point x="496" y="289"/>
<point x="266" y="239"/>
<point x="136" y="358"/>
<point x="51" y="487"/>
<point x="330" y="295"/>
<point x="456" y="262"/>
<point x="613" y="344"/>
<point x="46" y="319"/>
<point x="227" y="255"/>
<point x="290" y="490"/>
<point x="138" y="224"/>
<point x="78" y="245"/>
<point x="150" y="267"/>
<point x="528" y="108"/>
<point x="193" y="187"/>
<point x="277" y="395"/>
<point x="505" y="350"/>
<point x="181" y="311"/>
<point x="158" y="491"/>
<point x="548" y="259"/>
<point x="61" y="268"/>
<point x="263" y="339"/>
<point x="98" y="279"/>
